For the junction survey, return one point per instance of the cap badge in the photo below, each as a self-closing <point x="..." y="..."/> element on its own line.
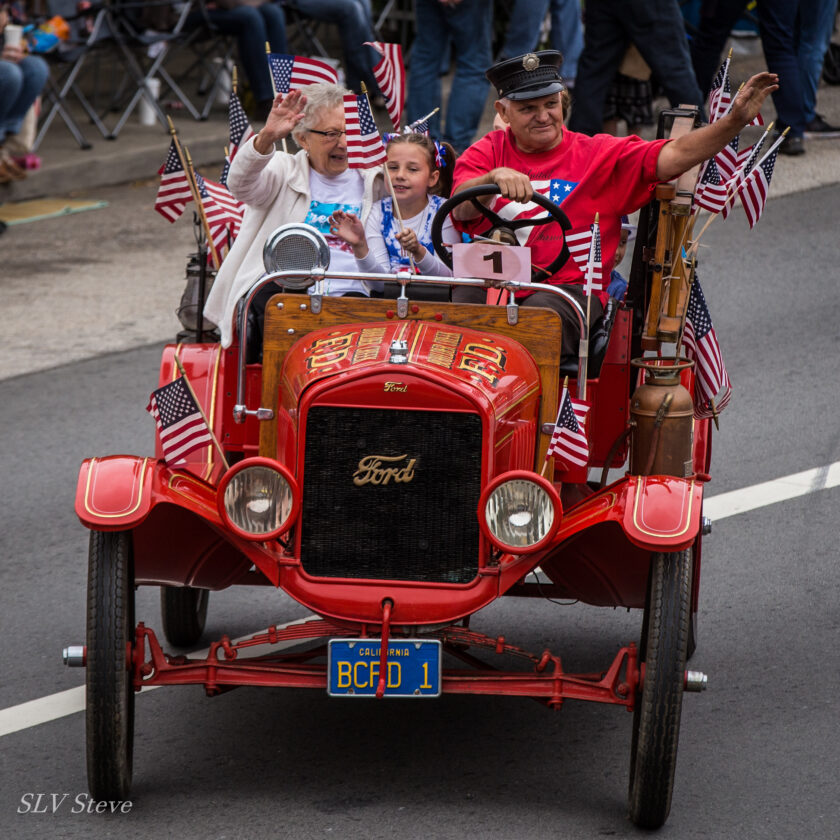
<point x="530" y="62"/>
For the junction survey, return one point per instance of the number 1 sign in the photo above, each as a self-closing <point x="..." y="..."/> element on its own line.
<point x="491" y="261"/>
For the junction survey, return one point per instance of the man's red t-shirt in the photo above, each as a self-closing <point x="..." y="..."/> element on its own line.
<point x="611" y="176"/>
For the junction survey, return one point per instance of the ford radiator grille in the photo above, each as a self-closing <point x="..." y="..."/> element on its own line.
<point x="391" y="495"/>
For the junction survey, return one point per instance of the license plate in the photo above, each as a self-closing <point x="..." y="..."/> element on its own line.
<point x="413" y="668"/>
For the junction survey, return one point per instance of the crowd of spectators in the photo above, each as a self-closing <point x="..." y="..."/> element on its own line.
<point x="618" y="54"/>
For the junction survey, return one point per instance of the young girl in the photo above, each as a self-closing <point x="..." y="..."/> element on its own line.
<point x="421" y="173"/>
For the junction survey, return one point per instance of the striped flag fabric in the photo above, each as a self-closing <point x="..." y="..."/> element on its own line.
<point x="711" y="381"/>
<point x="593" y="276"/>
<point x="720" y="93"/>
<point x="711" y="190"/>
<point x="239" y="133"/>
<point x="568" y="440"/>
<point x="390" y="76"/>
<point x="586" y="253"/>
<point x="753" y="191"/>
<point x="180" y="425"/>
<point x="740" y="174"/>
<point x="174" y="191"/>
<point x="291" y="72"/>
<point x="364" y="144"/>
<point x="222" y="210"/>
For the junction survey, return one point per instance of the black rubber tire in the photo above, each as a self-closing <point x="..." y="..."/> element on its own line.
<point x="110" y="694"/>
<point x="656" y="717"/>
<point x="184" y="613"/>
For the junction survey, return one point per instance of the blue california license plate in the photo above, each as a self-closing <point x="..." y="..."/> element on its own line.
<point x="413" y="668"/>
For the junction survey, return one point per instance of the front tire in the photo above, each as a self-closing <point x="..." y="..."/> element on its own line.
<point x="656" y="717"/>
<point x="184" y="613"/>
<point x="109" y="689"/>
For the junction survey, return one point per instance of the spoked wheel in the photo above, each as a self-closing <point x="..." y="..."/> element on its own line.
<point x="656" y="717"/>
<point x="184" y="613"/>
<point x="110" y="634"/>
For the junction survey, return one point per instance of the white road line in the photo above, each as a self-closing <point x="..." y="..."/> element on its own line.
<point x="53" y="706"/>
<point x="771" y="492"/>
<point x="68" y="702"/>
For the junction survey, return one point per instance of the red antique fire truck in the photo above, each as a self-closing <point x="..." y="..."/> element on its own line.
<point x="383" y="461"/>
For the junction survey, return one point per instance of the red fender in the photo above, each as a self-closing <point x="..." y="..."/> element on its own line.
<point x="657" y="512"/>
<point x="114" y="493"/>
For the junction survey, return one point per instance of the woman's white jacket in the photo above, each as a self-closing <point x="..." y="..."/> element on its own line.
<point x="275" y="190"/>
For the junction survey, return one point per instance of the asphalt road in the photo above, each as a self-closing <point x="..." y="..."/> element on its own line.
<point x="759" y="751"/>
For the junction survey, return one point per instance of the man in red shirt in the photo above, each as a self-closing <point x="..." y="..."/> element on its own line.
<point x="611" y="176"/>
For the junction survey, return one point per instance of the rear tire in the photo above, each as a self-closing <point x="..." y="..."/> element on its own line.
<point x="184" y="613"/>
<point x="109" y="691"/>
<point x="656" y="717"/>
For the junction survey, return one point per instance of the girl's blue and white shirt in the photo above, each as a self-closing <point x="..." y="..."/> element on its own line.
<point x="384" y="252"/>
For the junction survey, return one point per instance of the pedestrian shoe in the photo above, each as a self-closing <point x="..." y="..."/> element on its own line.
<point x="792" y="145"/>
<point x="818" y="127"/>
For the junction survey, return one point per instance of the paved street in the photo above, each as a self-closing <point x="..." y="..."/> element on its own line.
<point x="90" y="299"/>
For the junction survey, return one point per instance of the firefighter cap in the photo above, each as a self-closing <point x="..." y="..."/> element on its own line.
<point x="527" y="76"/>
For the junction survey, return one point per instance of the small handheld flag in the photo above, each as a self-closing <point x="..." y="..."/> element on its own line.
<point x="179" y="420"/>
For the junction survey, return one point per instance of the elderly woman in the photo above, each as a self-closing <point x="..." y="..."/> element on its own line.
<point x="278" y="188"/>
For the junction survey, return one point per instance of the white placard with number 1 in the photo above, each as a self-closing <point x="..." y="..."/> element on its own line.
<point x="491" y="261"/>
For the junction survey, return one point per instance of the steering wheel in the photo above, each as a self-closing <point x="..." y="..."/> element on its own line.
<point x="555" y="214"/>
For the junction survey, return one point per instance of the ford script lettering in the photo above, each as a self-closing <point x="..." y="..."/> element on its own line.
<point x="380" y="469"/>
<point x="401" y="387"/>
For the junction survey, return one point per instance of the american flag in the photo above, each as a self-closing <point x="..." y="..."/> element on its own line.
<point x="594" y="274"/>
<point x="754" y="189"/>
<point x="420" y="127"/>
<point x="711" y="381"/>
<point x="734" y="183"/>
<point x="720" y="93"/>
<point x="222" y="210"/>
<point x="711" y="190"/>
<point x="586" y="252"/>
<point x="730" y="157"/>
<point x="364" y="145"/>
<point x="181" y="427"/>
<point x="390" y="76"/>
<point x="568" y="440"/>
<point x="174" y="191"/>
<point x="240" y="132"/>
<point x="291" y="72"/>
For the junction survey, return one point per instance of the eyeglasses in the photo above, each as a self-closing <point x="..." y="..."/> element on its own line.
<point x="331" y="135"/>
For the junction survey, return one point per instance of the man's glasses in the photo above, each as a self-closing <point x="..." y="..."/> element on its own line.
<point x="331" y="135"/>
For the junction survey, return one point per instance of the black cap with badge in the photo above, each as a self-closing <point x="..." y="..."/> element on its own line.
<point x="527" y="76"/>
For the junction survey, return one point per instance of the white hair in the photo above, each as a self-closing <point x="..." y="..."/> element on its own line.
<point x="319" y="98"/>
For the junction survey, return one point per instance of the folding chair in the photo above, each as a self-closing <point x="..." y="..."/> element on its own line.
<point x="71" y="56"/>
<point x="130" y="35"/>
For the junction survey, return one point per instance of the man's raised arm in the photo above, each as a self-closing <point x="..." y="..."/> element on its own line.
<point x="696" y="146"/>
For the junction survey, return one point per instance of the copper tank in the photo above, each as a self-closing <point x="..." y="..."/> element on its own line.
<point x="662" y="418"/>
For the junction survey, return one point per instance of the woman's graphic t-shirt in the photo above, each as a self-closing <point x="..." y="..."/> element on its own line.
<point x="340" y="192"/>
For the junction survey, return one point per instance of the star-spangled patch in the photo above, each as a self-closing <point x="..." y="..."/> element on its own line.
<point x="559" y="190"/>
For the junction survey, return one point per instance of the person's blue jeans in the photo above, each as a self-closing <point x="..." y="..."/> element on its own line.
<point x="567" y="34"/>
<point x="20" y="85"/>
<point x="469" y="25"/>
<point x="816" y="22"/>
<point x="355" y="26"/>
<point x="657" y="29"/>
<point x="523" y="29"/>
<point x="252" y="26"/>
<point x="776" y="24"/>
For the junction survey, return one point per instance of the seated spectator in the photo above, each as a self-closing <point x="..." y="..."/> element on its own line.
<point x="354" y="19"/>
<point x="278" y="188"/>
<point x="253" y="23"/>
<point x="22" y="78"/>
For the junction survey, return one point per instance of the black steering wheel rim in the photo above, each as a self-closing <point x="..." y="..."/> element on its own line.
<point x="471" y="193"/>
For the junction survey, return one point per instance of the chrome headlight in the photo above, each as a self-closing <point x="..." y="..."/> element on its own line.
<point x="258" y="499"/>
<point x="296" y="247"/>
<point x="520" y="512"/>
